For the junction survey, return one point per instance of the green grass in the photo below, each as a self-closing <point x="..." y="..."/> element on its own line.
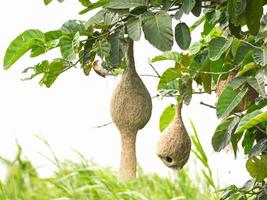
<point x="86" y="181"/>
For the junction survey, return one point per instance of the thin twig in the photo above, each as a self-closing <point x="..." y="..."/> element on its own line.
<point x="154" y="69"/>
<point x="149" y="75"/>
<point x="210" y="106"/>
<point x="101" y="126"/>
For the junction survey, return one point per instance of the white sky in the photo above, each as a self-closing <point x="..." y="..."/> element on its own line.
<point x="66" y="113"/>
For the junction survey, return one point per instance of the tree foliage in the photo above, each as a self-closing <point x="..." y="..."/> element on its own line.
<point x="232" y="50"/>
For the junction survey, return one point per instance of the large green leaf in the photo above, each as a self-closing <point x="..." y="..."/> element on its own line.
<point x="115" y="47"/>
<point x="260" y="56"/>
<point x="235" y="9"/>
<point x="69" y="46"/>
<point x="168" y="76"/>
<point x="168" y="55"/>
<point x="188" y="5"/>
<point x="71" y="27"/>
<point x="51" y="42"/>
<point x="228" y="101"/>
<point x="205" y="77"/>
<point x="197" y="9"/>
<point x="166" y="117"/>
<point x="20" y="45"/>
<point x="98" y="18"/>
<point x="248" y="141"/>
<point x="182" y="36"/>
<point x="218" y="46"/>
<point x="134" y="28"/>
<point x="251" y="119"/>
<point x="254" y="11"/>
<point x="223" y="133"/>
<point x="158" y="30"/>
<point x="103" y="48"/>
<point x="242" y="51"/>
<point x="124" y="4"/>
<point x="257" y="167"/>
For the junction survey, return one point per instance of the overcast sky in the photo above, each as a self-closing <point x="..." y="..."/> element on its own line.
<point x="66" y="113"/>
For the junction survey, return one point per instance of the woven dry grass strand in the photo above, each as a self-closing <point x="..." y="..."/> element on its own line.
<point x="131" y="108"/>
<point x="174" y="145"/>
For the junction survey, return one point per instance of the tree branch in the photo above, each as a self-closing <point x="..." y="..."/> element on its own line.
<point x="213" y="107"/>
<point x="154" y="69"/>
<point x="103" y="125"/>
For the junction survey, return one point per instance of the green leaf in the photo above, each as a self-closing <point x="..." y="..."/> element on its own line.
<point x="170" y="89"/>
<point x="205" y="77"/>
<point x="182" y="36"/>
<point x="103" y="48"/>
<point x="51" y="42"/>
<point x="234" y="140"/>
<point x="124" y="4"/>
<point x="87" y="55"/>
<point x="36" y="70"/>
<point x="254" y="11"/>
<point x="38" y="49"/>
<point x="223" y="133"/>
<point x="98" y="18"/>
<point x="251" y="119"/>
<point x="257" y="167"/>
<point x="158" y="30"/>
<point x="178" y="15"/>
<point x="188" y="5"/>
<point x="19" y="46"/>
<point x="168" y="55"/>
<point x="246" y="68"/>
<point x="85" y="3"/>
<point x="197" y="9"/>
<point x="228" y="101"/>
<point x="218" y="46"/>
<point x="71" y="27"/>
<point x="166" y="117"/>
<point x="111" y="18"/>
<point x="46" y="2"/>
<point x="55" y="68"/>
<point x="69" y="46"/>
<point x="93" y="6"/>
<point x="186" y="89"/>
<point x="115" y="47"/>
<point x="258" y="82"/>
<point x="235" y="9"/>
<point x="134" y="28"/>
<point x="168" y="76"/>
<point x="260" y="56"/>
<point x="248" y="141"/>
<point x="242" y="51"/>
<point x="259" y="148"/>
<point x="52" y="35"/>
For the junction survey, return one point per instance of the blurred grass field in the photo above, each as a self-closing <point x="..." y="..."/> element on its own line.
<point x="87" y="181"/>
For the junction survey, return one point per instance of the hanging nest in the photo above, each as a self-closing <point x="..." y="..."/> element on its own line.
<point x="174" y="145"/>
<point x="130" y="108"/>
